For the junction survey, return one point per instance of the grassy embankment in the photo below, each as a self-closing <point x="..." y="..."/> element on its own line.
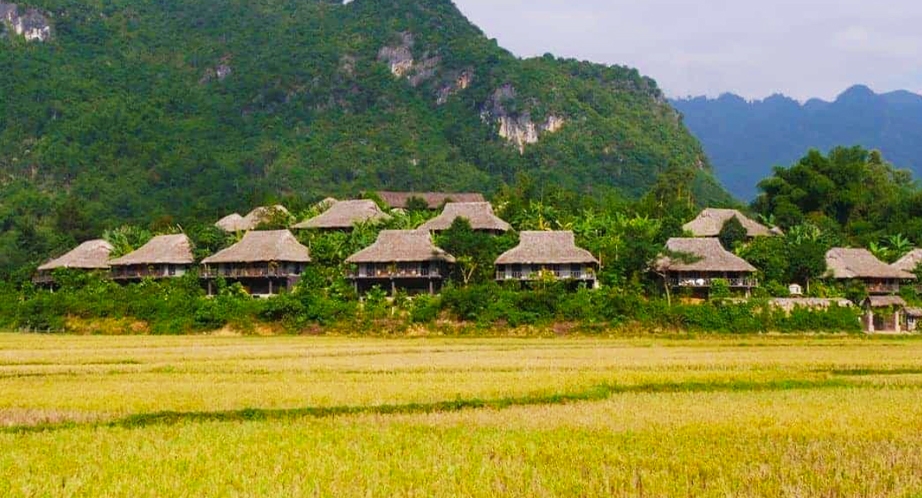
<point x="130" y="416"/>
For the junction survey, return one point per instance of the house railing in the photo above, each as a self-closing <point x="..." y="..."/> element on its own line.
<point x="252" y="272"/>
<point x="883" y="288"/>
<point x="561" y="275"/>
<point x="410" y="273"/>
<point x="702" y="283"/>
<point x="42" y="278"/>
<point x="124" y="274"/>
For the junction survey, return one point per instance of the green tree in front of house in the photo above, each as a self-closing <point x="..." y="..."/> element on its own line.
<point x="732" y="234"/>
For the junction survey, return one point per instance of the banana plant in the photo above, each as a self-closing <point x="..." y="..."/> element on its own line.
<point x="879" y="251"/>
<point x="899" y="245"/>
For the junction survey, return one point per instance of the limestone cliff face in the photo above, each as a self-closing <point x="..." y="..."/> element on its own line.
<point x="462" y="82"/>
<point x="517" y="127"/>
<point x="402" y="64"/>
<point x="29" y="23"/>
<point x="399" y="57"/>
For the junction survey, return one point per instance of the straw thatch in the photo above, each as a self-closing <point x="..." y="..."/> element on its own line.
<point x="236" y="223"/>
<point x="434" y="200"/>
<point x="327" y="203"/>
<point x="401" y="246"/>
<point x="262" y="214"/>
<point x="90" y="255"/>
<point x="479" y="214"/>
<point x="885" y="302"/>
<point x="546" y="248"/>
<point x="345" y="215"/>
<point x="711" y="221"/>
<point x="790" y="304"/>
<point x="163" y="249"/>
<point x="704" y="255"/>
<point x="232" y="223"/>
<point x="909" y="262"/>
<point x="263" y="247"/>
<point x="914" y="312"/>
<point x="845" y="263"/>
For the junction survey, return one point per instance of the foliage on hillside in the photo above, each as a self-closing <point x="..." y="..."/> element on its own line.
<point x="182" y="111"/>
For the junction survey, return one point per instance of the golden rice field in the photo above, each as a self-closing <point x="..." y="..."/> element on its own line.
<point x="291" y="416"/>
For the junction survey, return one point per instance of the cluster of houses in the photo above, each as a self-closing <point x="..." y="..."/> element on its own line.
<point x="270" y="262"/>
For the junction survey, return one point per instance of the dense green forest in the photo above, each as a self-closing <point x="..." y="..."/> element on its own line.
<point x="177" y="112"/>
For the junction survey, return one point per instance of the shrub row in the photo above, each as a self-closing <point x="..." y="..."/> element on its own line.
<point x="181" y="306"/>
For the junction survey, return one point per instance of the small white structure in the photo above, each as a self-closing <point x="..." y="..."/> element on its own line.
<point x="795" y="290"/>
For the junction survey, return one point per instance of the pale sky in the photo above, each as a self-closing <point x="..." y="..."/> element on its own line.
<point x="807" y="48"/>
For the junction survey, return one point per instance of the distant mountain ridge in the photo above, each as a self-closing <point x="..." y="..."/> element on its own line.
<point x="746" y="139"/>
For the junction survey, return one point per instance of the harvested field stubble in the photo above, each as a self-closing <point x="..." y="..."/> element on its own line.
<point x="128" y="416"/>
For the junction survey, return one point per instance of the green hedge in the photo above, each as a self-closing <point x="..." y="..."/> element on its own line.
<point x="181" y="306"/>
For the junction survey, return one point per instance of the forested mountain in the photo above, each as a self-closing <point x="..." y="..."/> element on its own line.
<point x="745" y="140"/>
<point x="172" y="110"/>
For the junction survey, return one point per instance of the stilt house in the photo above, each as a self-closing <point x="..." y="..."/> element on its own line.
<point x="479" y="214"/>
<point x="401" y="260"/>
<point x="265" y="263"/>
<point x="543" y="254"/>
<point x="165" y="256"/>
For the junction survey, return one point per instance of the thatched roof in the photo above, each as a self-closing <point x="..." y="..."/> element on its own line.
<point x="90" y="255"/>
<point x="236" y="223"/>
<point x="479" y="214"/>
<point x="401" y="246"/>
<point x="232" y="223"/>
<point x="704" y="255"/>
<point x="845" y="263"/>
<point x="790" y="304"/>
<point x="258" y="247"/>
<point x="435" y="200"/>
<point x="711" y="221"/>
<point x="885" y="302"/>
<point x="163" y="249"/>
<point x="909" y="262"/>
<point x="547" y="248"/>
<point x="262" y="214"/>
<point x="327" y="203"/>
<point x="346" y="214"/>
<point x="914" y="312"/>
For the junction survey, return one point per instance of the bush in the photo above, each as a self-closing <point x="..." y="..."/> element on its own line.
<point x="425" y="309"/>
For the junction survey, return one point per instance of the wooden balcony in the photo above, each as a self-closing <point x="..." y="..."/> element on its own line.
<point x="42" y="278"/>
<point x="140" y="273"/>
<point x="385" y="275"/>
<point x="559" y="275"/>
<point x="250" y="272"/>
<point x="422" y="271"/>
<point x="707" y="282"/>
<point x="883" y="287"/>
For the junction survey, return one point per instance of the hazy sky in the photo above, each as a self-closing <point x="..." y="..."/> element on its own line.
<point x="806" y="48"/>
